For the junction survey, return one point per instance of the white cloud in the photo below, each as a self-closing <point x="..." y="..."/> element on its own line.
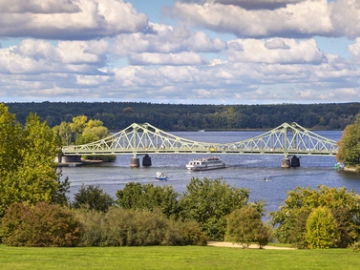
<point x="39" y="56"/>
<point x="165" y="39"/>
<point x="302" y="19"/>
<point x="69" y="19"/>
<point x="284" y="51"/>
<point x="354" y="49"/>
<point x="345" y="17"/>
<point x="182" y="58"/>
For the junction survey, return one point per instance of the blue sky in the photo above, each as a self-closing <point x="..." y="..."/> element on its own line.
<point x="180" y="51"/>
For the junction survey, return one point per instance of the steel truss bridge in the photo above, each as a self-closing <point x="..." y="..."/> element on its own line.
<point x="140" y="139"/>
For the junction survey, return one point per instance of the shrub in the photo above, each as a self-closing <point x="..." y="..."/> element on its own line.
<point x="93" y="227"/>
<point x="41" y="225"/>
<point x="123" y="227"/>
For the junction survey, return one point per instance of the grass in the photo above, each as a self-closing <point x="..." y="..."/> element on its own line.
<point x="188" y="257"/>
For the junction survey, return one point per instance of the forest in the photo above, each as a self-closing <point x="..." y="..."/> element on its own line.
<point x="184" y="117"/>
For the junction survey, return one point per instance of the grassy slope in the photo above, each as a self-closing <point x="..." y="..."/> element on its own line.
<point x="189" y="257"/>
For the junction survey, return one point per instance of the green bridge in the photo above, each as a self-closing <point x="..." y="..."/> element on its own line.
<point x="141" y="139"/>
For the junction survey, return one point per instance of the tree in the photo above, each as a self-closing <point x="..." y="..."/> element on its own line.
<point x="244" y="226"/>
<point x="64" y="133"/>
<point x="10" y="136"/>
<point x="290" y="220"/>
<point x="209" y="202"/>
<point x="349" y="145"/>
<point x="93" y="197"/>
<point x="321" y="229"/>
<point x="27" y="158"/>
<point x="150" y="197"/>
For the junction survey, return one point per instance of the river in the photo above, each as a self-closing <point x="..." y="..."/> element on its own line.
<point x="247" y="171"/>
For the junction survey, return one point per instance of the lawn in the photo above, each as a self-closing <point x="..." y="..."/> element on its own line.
<point x="188" y="257"/>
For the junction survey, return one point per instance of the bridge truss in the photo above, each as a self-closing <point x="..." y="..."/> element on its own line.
<point x="140" y="139"/>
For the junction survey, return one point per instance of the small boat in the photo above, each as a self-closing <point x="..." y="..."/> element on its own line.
<point x="161" y="176"/>
<point x="204" y="164"/>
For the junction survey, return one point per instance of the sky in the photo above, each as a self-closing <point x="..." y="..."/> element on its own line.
<point x="180" y="51"/>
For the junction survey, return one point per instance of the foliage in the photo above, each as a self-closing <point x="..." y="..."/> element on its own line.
<point x="40" y="225"/>
<point x="290" y="219"/>
<point x="59" y="195"/>
<point x="349" y="145"/>
<point x="27" y="160"/>
<point x="92" y="197"/>
<point x="356" y="246"/>
<point x="148" y="196"/>
<point x="244" y="226"/>
<point x="118" y="115"/>
<point x="209" y="202"/>
<point x="321" y="229"/>
<point x="123" y="227"/>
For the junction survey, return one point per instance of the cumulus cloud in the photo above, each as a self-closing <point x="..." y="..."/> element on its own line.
<point x="166" y="39"/>
<point x="183" y="58"/>
<point x="303" y="19"/>
<point x="247" y="4"/>
<point x="165" y="45"/>
<point x="354" y="49"/>
<point x="345" y="17"/>
<point x="105" y="49"/>
<point x="282" y="51"/>
<point x="38" y="6"/>
<point x="39" y="56"/>
<point x="69" y="19"/>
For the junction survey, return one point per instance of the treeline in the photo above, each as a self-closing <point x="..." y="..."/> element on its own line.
<point x="176" y="117"/>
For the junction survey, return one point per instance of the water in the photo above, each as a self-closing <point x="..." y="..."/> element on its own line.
<point x="247" y="171"/>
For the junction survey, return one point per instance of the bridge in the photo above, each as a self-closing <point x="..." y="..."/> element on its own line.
<point x="141" y="139"/>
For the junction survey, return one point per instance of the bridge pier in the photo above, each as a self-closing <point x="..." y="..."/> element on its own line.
<point x="295" y="161"/>
<point x="285" y="163"/>
<point x="134" y="162"/>
<point x="146" y="161"/>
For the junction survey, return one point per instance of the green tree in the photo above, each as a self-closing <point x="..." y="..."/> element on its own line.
<point x="10" y="137"/>
<point x="150" y="197"/>
<point x="244" y="226"/>
<point x="321" y="229"/>
<point x="27" y="157"/>
<point x="349" y="145"/>
<point x="290" y="219"/>
<point x="64" y="133"/>
<point x="209" y="202"/>
<point x="93" y="197"/>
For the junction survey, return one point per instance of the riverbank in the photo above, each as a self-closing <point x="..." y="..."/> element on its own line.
<point x="83" y="162"/>
<point x="350" y="169"/>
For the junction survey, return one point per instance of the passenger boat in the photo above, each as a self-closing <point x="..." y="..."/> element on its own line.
<point x="203" y="164"/>
<point x="161" y="176"/>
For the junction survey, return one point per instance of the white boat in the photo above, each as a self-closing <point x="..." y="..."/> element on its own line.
<point x="161" y="176"/>
<point x="203" y="164"/>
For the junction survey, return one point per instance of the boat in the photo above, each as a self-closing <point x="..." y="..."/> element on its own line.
<point x="161" y="176"/>
<point x="204" y="164"/>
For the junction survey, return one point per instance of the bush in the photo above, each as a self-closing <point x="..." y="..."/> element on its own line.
<point x="123" y="227"/>
<point x="93" y="227"/>
<point x="42" y="225"/>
